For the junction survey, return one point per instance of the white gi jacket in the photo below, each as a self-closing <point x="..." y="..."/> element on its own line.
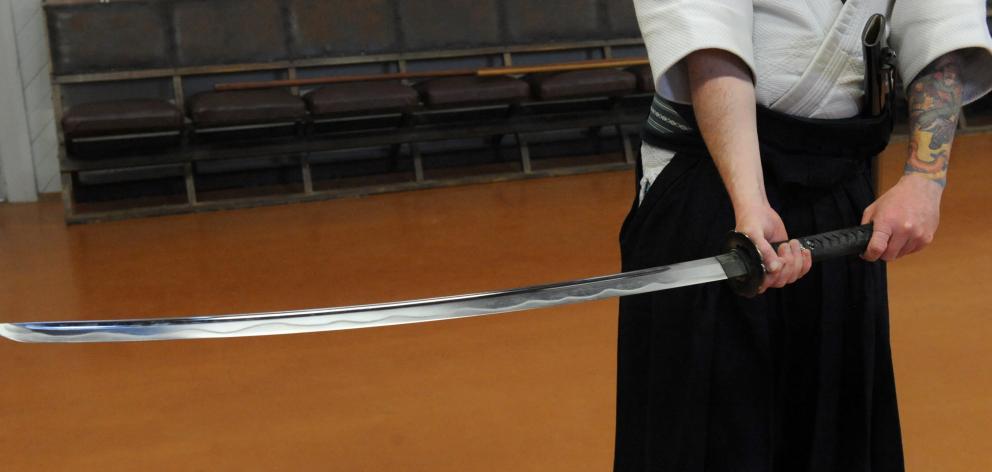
<point x="806" y="55"/>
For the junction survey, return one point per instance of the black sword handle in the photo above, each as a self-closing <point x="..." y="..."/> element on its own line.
<point x="839" y="243"/>
<point x="823" y="246"/>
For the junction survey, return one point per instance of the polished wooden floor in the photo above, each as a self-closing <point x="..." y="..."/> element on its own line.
<point x="520" y="392"/>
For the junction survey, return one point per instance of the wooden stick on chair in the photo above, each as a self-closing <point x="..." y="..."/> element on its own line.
<point x="484" y="72"/>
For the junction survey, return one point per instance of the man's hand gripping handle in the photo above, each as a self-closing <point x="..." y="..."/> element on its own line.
<point x="823" y="246"/>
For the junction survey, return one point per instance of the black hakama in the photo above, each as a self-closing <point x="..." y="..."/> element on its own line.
<point x="799" y="379"/>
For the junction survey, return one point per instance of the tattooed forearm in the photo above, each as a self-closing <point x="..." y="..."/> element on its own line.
<point x="934" y="106"/>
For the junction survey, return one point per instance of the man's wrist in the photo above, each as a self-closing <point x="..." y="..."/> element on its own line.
<point x="749" y="202"/>
<point x="925" y="182"/>
<point x="940" y="180"/>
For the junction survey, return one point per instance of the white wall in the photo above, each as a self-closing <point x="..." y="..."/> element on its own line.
<point x="15" y="138"/>
<point x="3" y="185"/>
<point x="28" y="140"/>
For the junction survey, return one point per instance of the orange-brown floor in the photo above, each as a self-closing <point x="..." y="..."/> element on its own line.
<point x="527" y="391"/>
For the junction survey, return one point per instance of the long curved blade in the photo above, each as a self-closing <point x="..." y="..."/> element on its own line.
<point x="368" y="316"/>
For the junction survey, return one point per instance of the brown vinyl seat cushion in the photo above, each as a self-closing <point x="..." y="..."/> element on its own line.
<point x="121" y="117"/>
<point x="583" y="83"/>
<point x="362" y="97"/>
<point x="472" y="91"/>
<point x="245" y="107"/>
<point x="645" y="79"/>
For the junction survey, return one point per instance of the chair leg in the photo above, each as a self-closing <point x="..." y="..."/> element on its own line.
<point x="407" y="120"/>
<point x="628" y="147"/>
<point x="394" y="157"/>
<point x="418" y="162"/>
<point x="190" y="184"/>
<point x="68" y="194"/>
<point x="496" y="145"/>
<point x="524" y="154"/>
<point x="306" y="174"/>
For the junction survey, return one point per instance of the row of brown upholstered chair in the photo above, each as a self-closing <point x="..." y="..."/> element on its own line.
<point x="233" y="109"/>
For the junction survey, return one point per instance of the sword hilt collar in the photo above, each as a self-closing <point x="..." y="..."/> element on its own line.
<point x="741" y="246"/>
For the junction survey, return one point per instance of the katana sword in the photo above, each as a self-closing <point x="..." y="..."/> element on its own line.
<point x="740" y="265"/>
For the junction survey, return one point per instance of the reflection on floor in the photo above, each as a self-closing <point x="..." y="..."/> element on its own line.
<point x="528" y="391"/>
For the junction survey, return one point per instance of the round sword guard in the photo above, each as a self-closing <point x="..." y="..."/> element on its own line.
<point x="746" y="285"/>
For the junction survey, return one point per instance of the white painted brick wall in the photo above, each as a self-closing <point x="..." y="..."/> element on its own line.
<point x="35" y="70"/>
<point x="32" y="142"/>
<point x="3" y="186"/>
<point x="15" y="137"/>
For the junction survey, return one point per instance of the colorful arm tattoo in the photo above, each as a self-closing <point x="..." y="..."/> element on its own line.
<point x="934" y="107"/>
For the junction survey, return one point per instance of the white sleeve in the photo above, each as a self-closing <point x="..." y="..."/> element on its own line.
<point x="925" y="30"/>
<point x="673" y="29"/>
